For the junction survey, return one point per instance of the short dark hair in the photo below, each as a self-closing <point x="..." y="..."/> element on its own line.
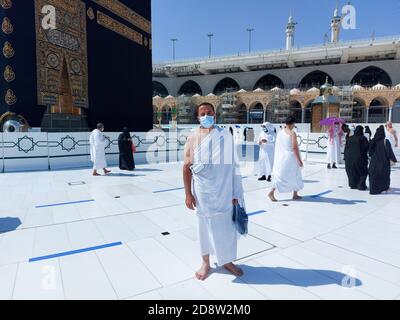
<point x="204" y="104"/>
<point x="290" y="120"/>
<point x="100" y="126"/>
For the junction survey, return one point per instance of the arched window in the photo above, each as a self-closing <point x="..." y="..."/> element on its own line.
<point x="358" y="113"/>
<point x="396" y="112"/>
<point x="296" y="110"/>
<point x="315" y="79"/>
<point x="371" y="76"/>
<point x="378" y="111"/>
<point x="159" y="89"/>
<point x="308" y="112"/>
<point x="190" y="88"/>
<point x="242" y="113"/>
<point x="166" y="116"/>
<point x="226" y="85"/>
<point x="269" y="82"/>
<point x="256" y="114"/>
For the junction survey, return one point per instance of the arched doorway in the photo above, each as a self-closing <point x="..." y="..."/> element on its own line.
<point x="296" y="111"/>
<point x="190" y="88"/>
<point x="378" y="111"/>
<point x="315" y="79"/>
<point x="159" y="89"/>
<point x="166" y="115"/>
<point x="256" y="114"/>
<point x="269" y="82"/>
<point x="242" y="114"/>
<point x="396" y="112"/>
<point x="226" y="85"/>
<point x="371" y="76"/>
<point x="358" y="112"/>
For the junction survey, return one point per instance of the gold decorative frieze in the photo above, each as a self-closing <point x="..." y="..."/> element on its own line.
<point x="9" y="74"/>
<point x="10" y="97"/>
<point x="7" y="26"/>
<point x="6" y="4"/>
<point x="121" y="29"/>
<point x="126" y="13"/>
<point x="8" y="50"/>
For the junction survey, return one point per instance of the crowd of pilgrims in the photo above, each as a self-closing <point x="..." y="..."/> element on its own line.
<point x="365" y="157"/>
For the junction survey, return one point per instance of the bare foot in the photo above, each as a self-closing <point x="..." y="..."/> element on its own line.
<point x="297" y="197"/>
<point x="272" y="197"/>
<point x="203" y="272"/>
<point x="107" y="171"/>
<point x="96" y="174"/>
<point x="234" y="269"/>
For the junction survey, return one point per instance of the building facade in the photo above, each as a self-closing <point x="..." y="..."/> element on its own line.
<point x="273" y="84"/>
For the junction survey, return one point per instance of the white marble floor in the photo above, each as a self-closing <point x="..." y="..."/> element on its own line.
<point x="68" y="235"/>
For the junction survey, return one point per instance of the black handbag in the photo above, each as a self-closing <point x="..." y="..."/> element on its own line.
<point x="241" y="219"/>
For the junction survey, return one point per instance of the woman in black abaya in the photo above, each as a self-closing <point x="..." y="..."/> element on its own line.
<point x="126" y="161"/>
<point x="381" y="154"/>
<point x="356" y="159"/>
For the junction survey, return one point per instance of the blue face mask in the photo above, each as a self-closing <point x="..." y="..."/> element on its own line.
<point x="207" y="122"/>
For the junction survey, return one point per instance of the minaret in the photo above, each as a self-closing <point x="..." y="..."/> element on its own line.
<point x="335" y="26"/>
<point x="290" y="30"/>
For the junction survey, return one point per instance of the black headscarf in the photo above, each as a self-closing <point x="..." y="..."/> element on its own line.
<point x="126" y="131"/>
<point x="368" y="130"/>
<point x="380" y="134"/>
<point x="359" y="131"/>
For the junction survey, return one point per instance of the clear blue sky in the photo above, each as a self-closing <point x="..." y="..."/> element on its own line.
<point x="190" y="20"/>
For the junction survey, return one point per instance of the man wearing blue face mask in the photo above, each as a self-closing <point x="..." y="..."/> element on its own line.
<point x="213" y="184"/>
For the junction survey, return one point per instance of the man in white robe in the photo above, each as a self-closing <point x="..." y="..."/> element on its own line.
<point x="98" y="144"/>
<point x="266" y="141"/>
<point x="391" y="134"/>
<point x="213" y="184"/>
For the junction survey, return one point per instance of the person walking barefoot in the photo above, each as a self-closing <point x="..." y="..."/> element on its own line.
<point x="286" y="173"/>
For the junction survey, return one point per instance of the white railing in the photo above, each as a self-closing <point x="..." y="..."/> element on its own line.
<point x="53" y="151"/>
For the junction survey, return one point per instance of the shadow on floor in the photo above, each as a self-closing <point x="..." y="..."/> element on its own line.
<point x="296" y="277"/>
<point x="149" y="170"/>
<point x="9" y="224"/>
<point x="311" y="181"/>
<point x="128" y="175"/>
<point x="331" y="200"/>
<point x="394" y="191"/>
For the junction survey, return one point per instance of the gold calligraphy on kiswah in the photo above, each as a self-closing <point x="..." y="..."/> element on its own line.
<point x="126" y="13"/>
<point x="108" y="22"/>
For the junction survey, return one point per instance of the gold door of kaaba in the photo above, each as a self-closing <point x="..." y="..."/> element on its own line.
<point x="62" y="75"/>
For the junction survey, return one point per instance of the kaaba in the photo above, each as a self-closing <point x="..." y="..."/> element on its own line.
<point x="69" y="64"/>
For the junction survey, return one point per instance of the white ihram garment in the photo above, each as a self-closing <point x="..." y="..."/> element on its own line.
<point x="267" y="152"/>
<point x="286" y="174"/>
<point x="391" y="138"/>
<point x="216" y="182"/>
<point x="97" y="150"/>
<point x="333" y="150"/>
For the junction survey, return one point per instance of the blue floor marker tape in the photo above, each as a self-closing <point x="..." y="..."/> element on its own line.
<point x="69" y="253"/>
<point x="321" y="194"/>
<point x="63" y="204"/>
<point x="256" y="213"/>
<point x="168" y="190"/>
